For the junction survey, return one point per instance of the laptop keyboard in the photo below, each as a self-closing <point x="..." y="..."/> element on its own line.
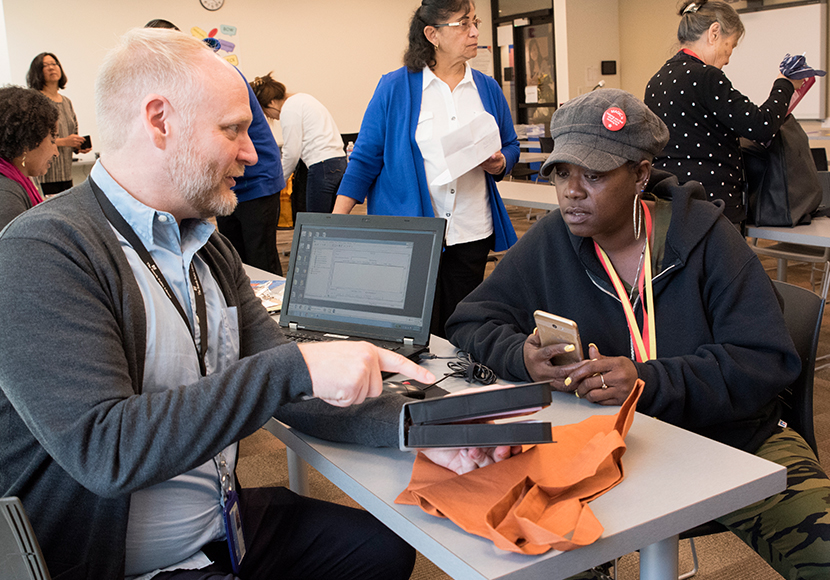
<point x="303" y="337"/>
<point x="298" y="336"/>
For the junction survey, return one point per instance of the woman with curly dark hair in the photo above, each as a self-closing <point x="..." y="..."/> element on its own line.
<point x="28" y="129"/>
<point x="46" y="75"/>
<point x="398" y="154"/>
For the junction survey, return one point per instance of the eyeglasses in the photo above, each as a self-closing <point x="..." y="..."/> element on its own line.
<point x="464" y="24"/>
<point x="51" y="64"/>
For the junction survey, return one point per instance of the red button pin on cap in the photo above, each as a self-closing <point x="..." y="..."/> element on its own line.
<point x="613" y="118"/>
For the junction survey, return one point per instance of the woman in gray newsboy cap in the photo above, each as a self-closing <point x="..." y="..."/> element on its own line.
<point x="663" y="288"/>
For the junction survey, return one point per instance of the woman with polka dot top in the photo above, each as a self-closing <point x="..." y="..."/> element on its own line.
<point x="704" y="113"/>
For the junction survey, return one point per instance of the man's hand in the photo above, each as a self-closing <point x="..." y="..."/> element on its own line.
<point x="345" y="373"/>
<point x="469" y="458"/>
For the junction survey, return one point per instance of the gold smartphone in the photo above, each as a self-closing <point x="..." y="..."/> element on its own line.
<point x="554" y="329"/>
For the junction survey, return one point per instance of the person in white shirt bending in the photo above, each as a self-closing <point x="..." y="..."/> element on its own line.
<point x="309" y="134"/>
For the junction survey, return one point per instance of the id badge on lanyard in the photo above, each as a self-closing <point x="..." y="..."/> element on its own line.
<point x="233" y="530"/>
<point x="230" y="514"/>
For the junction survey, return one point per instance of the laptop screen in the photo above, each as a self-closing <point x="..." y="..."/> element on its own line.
<point x="368" y="276"/>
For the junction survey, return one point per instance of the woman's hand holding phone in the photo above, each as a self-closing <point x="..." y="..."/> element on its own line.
<point x="554" y="352"/>
<point x="539" y="362"/>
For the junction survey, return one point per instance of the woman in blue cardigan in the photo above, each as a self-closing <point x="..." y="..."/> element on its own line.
<point x="398" y="153"/>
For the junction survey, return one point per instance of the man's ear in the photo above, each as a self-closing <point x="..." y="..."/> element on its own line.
<point x="156" y="112"/>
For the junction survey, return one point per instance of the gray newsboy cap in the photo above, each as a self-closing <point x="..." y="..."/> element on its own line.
<point x="603" y="129"/>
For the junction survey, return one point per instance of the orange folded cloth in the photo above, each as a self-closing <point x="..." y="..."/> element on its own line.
<point x="536" y="500"/>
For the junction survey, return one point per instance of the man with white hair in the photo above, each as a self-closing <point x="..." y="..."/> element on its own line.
<point x="136" y="356"/>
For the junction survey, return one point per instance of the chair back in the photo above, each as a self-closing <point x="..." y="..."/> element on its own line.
<point x="20" y="555"/>
<point x="546" y="144"/>
<point x="820" y="158"/>
<point x="803" y="311"/>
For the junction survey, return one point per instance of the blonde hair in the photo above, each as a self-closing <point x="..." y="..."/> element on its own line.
<point x="145" y="61"/>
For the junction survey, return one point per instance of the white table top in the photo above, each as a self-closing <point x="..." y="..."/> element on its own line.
<point x="675" y="480"/>
<point x="816" y="233"/>
<point x="533" y="157"/>
<point x="84" y="158"/>
<point x="528" y="194"/>
<point x="257" y="274"/>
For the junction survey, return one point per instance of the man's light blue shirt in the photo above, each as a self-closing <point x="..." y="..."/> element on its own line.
<point x="171" y="521"/>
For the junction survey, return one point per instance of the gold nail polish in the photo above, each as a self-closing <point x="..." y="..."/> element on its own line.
<point x="570" y="348"/>
<point x="568" y="382"/>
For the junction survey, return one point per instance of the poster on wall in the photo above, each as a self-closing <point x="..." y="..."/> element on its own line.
<point x="539" y="75"/>
<point x="219" y="39"/>
<point x="539" y="61"/>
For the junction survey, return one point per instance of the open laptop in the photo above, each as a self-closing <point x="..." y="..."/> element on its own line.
<point x="361" y="277"/>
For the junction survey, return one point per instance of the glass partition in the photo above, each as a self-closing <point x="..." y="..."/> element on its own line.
<point x="525" y="61"/>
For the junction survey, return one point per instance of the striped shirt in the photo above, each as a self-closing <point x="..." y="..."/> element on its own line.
<point x="61" y="169"/>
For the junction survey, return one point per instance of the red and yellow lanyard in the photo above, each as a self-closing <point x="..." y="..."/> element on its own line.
<point x="645" y="344"/>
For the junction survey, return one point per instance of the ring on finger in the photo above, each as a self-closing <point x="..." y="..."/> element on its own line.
<point x="577" y="394"/>
<point x="602" y="378"/>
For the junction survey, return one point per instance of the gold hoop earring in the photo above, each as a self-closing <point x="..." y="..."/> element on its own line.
<point x="638" y="216"/>
<point x="23" y="162"/>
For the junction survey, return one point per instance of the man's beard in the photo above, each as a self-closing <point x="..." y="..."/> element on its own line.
<point x="201" y="184"/>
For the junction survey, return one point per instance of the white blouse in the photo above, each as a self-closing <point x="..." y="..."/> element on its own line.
<point x="464" y="203"/>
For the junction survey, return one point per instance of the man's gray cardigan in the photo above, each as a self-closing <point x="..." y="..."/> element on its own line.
<point x="77" y="436"/>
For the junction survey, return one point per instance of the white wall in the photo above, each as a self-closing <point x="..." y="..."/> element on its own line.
<point x="650" y="40"/>
<point x="335" y="50"/>
<point x="593" y="35"/>
<point x="5" y="66"/>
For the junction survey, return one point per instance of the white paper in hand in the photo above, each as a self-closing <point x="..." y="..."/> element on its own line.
<point x="469" y="146"/>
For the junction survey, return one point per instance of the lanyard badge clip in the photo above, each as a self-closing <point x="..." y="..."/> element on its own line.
<point x="230" y="514"/>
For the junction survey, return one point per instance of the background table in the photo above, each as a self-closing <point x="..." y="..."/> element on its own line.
<point x="533" y="157"/>
<point x="675" y="480"/>
<point x="816" y="233"/>
<point x="528" y="194"/>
